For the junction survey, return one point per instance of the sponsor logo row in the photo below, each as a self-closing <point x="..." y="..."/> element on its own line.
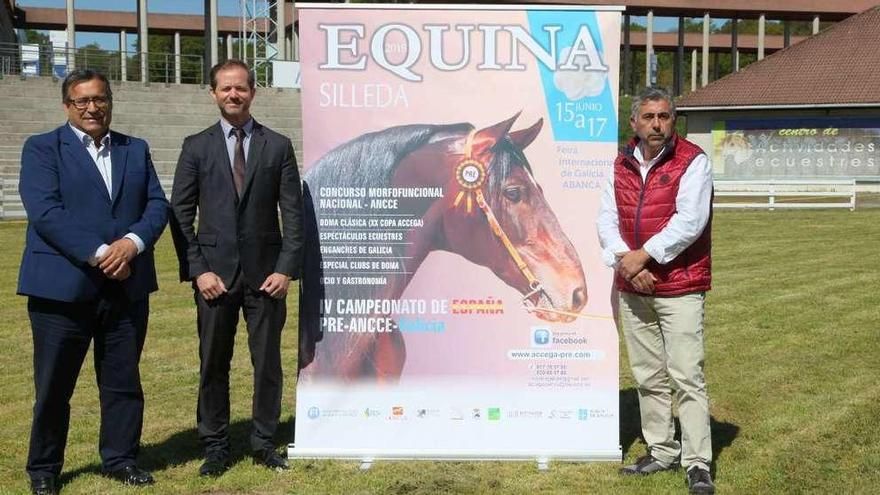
<point x="460" y="414"/>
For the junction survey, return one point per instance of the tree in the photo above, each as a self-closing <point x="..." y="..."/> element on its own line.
<point x="160" y="59"/>
<point x="34" y="36"/>
<point x="92" y="56"/>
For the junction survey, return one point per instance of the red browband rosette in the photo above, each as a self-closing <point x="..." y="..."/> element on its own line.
<point x="470" y="174"/>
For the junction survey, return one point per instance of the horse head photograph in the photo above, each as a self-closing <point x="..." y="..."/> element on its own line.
<point x="492" y="212"/>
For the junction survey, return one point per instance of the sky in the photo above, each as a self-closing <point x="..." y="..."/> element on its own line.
<point x="110" y="41"/>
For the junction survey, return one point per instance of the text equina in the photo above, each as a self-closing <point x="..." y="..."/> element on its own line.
<point x="341" y="41"/>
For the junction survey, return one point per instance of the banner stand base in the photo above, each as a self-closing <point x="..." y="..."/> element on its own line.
<point x="367" y="458"/>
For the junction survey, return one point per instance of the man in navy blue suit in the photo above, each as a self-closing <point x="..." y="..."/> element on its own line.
<point x="95" y="210"/>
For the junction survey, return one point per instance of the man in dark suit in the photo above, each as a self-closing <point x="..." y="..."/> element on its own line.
<point x="95" y="209"/>
<point x="237" y="175"/>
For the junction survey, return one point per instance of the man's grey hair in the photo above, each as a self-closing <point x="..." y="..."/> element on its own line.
<point x="651" y="94"/>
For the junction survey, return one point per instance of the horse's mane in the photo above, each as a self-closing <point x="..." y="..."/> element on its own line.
<point x="369" y="160"/>
<point x="372" y="158"/>
<point x="507" y="156"/>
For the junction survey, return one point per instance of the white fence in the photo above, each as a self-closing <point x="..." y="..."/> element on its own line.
<point x="728" y="194"/>
<point x="786" y="194"/>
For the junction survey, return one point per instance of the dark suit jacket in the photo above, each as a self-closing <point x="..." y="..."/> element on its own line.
<point x="233" y="233"/>
<point x="70" y="214"/>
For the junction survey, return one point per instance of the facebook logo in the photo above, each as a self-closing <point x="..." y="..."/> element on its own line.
<point x="540" y="337"/>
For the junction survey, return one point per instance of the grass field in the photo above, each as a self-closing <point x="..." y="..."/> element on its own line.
<point x="793" y="368"/>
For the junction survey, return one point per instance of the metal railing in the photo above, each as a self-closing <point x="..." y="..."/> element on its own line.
<point x="48" y="61"/>
<point x="11" y="207"/>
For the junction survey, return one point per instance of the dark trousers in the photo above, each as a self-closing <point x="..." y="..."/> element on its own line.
<point x="62" y="334"/>
<point x="217" y="320"/>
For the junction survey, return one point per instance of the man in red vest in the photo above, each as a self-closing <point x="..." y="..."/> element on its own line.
<point x="655" y="230"/>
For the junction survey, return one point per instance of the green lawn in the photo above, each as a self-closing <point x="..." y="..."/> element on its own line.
<point x="793" y="368"/>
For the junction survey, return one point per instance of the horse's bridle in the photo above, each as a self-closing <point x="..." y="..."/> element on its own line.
<point x="471" y="175"/>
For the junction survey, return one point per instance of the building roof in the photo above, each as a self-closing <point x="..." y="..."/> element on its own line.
<point x="837" y="67"/>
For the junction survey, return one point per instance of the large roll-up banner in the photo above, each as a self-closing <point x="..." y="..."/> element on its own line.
<point x="454" y="158"/>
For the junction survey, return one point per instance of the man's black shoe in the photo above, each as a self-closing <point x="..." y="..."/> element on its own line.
<point x="44" y="486"/>
<point x="214" y="465"/>
<point x="271" y="459"/>
<point x="646" y="464"/>
<point x="700" y="481"/>
<point x="131" y="475"/>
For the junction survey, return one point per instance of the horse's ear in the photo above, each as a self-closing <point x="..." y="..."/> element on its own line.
<point x="486" y="139"/>
<point x="524" y="137"/>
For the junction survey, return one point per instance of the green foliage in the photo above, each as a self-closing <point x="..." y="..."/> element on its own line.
<point x="160" y="59"/>
<point x="34" y="36"/>
<point x="624" y="131"/>
<point x="750" y="26"/>
<point x="636" y="27"/>
<point x="692" y="25"/>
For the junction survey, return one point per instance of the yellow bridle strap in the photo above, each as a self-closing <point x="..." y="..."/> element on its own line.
<point x="534" y="283"/>
<point x="499" y="232"/>
<point x="535" y="309"/>
<point x="468" y="144"/>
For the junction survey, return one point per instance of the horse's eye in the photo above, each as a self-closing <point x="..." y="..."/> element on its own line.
<point x="513" y="194"/>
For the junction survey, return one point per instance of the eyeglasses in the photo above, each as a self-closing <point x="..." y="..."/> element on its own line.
<point x="83" y="103"/>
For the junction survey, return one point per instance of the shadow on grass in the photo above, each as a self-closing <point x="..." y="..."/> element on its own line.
<point x="184" y="446"/>
<point x="723" y="433"/>
<point x="630" y="423"/>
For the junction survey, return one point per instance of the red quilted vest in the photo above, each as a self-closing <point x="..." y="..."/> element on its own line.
<point x="643" y="211"/>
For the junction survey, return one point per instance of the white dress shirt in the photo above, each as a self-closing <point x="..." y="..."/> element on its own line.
<point x="100" y="154"/>
<point x="692" y="208"/>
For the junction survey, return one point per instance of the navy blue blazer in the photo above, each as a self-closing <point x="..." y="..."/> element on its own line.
<point x="70" y="214"/>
